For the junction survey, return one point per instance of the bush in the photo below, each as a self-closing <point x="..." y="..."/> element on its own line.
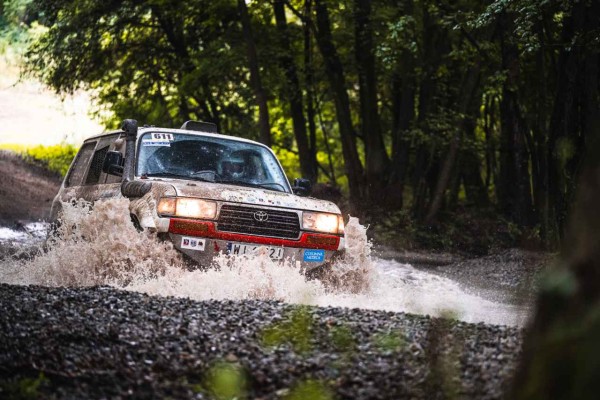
<point x="56" y="158"/>
<point x="464" y="230"/>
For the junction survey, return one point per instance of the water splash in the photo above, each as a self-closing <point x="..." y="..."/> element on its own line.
<point x="100" y="246"/>
<point x="93" y="246"/>
<point x="259" y="277"/>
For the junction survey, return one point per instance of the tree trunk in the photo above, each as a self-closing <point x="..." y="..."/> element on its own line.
<point x="470" y="95"/>
<point x="514" y="188"/>
<point x="259" y="92"/>
<point x="309" y="82"/>
<point x="471" y="172"/>
<point x="377" y="160"/>
<point x="335" y="76"/>
<point x="403" y="114"/>
<point x="539" y="137"/>
<point x="403" y="109"/>
<point x="561" y="353"/>
<point x="575" y="114"/>
<point x="308" y="164"/>
<point x="435" y="46"/>
<point x="327" y="146"/>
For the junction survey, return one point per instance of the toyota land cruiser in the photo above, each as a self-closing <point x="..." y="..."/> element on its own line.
<point x="208" y="193"/>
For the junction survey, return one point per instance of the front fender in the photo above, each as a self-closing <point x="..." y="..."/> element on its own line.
<point x="144" y="207"/>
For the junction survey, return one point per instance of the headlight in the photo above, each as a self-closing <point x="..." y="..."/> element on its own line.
<point x="187" y="207"/>
<point x="329" y="223"/>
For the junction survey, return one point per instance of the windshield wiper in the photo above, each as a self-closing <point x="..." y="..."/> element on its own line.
<point x="163" y="174"/>
<point x="267" y="186"/>
<point x="172" y="175"/>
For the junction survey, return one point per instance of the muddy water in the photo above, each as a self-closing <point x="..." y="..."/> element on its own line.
<point x="101" y="246"/>
<point x="27" y="234"/>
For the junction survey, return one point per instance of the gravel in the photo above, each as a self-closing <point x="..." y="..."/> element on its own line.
<point x="511" y="276"/>
<point x="101" y="342"/>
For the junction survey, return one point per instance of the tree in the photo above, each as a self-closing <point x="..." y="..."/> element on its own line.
<point x="337" y="81"/>
<point x="376" y="165"/>
<point x="259" y="91"/>
<point x="308" y="163"/>
<point x="424" y="107"/>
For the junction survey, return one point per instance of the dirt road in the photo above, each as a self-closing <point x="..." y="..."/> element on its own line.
<point x="26" y="190"/>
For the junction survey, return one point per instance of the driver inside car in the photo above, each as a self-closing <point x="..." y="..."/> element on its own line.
<point x="233" y="167"/>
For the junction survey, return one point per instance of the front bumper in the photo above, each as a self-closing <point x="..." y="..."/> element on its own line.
<point x="201" y="241"/>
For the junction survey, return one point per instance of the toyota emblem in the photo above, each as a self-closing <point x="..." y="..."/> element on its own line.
<point x="261" y="216"/>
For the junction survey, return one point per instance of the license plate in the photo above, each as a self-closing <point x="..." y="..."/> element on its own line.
<point x="276" y="253"/>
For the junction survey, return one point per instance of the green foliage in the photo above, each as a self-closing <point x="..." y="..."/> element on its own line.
<point x="14" y="32"/>
<point x="226" y="381"/>
<point x="489" y="76"/>
<point x="443" y="356"/>
<point x="295" y="331"/>
<point x="24" y="389"/>
<point x="565" y="151"/>
<point x="342" y="338"/>
<point x="57" y="158"/>
<point x="310" y="390"/>
<point x="559" y="282"/>
<point x="396" y="228"/>
<point x="466" y="229"/>
<point x="389" y="341"/>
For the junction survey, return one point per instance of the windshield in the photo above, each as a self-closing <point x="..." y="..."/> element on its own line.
<point x="209" y="159"/>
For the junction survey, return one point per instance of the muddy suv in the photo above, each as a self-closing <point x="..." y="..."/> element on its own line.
<point x="207" y="193"/>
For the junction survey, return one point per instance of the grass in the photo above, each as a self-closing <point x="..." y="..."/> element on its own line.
<point x="56" y="158"/>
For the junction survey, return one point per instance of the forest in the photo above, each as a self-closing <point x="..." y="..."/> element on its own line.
<point x="417" y="109"/>
<point x="444" y="121"/>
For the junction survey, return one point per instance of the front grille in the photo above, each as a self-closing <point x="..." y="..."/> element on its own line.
<point x="281" y="224"/>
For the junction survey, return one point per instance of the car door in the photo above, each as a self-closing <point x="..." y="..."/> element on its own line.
<point x="86" y="180"/>
<point x="98" y="185"/>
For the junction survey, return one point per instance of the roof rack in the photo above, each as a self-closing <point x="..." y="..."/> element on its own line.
<point x="200" y="126"/>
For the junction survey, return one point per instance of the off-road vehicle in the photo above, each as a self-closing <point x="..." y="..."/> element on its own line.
<point x="208" y="193"/>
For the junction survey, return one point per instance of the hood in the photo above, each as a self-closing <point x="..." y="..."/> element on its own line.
<point x="245" y="195"/>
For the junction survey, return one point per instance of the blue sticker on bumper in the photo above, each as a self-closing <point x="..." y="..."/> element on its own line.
<point x="314" y="255"/>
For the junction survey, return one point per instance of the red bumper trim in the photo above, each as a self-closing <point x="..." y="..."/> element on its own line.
<point x="208" y="230"/>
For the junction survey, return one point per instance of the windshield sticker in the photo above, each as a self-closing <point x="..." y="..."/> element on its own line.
<point x="162" y="137"/>
<point x="158" y="139"/>
<point x="147" y="142"/>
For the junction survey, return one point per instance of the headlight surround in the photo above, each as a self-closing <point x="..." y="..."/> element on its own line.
<point x="341" y="225"/>
<point x="187" y="207"/>
<point x="323" y="222"/>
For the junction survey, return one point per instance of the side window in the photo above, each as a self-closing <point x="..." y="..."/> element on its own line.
<point x="79" y="168"/>
<point x="93" y="176"/>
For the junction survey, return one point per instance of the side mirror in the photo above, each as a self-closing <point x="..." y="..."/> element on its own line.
<point x="113" y="163"/>
<point x="302" y="187"/>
